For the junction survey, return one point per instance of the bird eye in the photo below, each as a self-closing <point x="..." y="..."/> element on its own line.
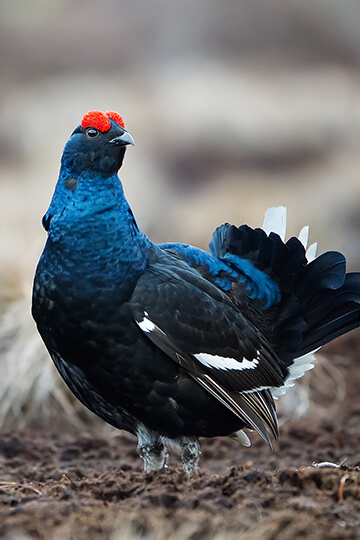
<point x="91" y="133"/>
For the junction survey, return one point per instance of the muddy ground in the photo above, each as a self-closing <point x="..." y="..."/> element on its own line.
<point x="59" y="484"/>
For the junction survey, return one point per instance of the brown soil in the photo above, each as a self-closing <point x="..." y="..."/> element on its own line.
<point x="55" y="484"/>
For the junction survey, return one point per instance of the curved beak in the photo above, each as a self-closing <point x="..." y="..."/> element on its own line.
<point x="123" y="139"/>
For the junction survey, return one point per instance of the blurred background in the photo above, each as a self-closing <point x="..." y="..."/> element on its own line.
<point x="234" y="106"/>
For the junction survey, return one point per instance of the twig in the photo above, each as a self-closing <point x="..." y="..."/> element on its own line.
<point x="341" y="487"/>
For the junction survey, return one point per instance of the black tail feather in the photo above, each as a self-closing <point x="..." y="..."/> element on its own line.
<point x="325" y="272"/>
<point x="326" y="306"/>
<point x="316" y="289"/>
<point x="319" y="301"/>
<point x="327" y="332"/>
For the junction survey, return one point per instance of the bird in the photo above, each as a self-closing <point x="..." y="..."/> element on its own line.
<point x="170" y="342"/>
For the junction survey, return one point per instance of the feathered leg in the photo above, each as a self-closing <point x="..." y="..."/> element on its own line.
<point x="189" y="449"/>
<point x="151" y="449"/>
<point x="190" y="454"/>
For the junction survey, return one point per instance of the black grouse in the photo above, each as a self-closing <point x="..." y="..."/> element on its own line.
<point x="170" y="342"/>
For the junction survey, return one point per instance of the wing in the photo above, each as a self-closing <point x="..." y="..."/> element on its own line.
<point x="198" y="326"/>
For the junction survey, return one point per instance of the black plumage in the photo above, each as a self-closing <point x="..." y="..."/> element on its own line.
<point x="170" y="342"/>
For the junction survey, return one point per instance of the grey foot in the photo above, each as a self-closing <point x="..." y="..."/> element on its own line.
<point x="189" y="449"/>
<point x="154" y="457"/>
<point x="151" y="449"/>
<point x="190" y="455"/>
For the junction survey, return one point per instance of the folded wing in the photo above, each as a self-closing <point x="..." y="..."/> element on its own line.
<point x="197" y="326"/>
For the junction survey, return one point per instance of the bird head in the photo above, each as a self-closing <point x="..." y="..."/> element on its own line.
<point x="97" y="146"/>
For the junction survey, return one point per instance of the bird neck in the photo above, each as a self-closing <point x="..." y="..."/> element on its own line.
<point x="90" y="216"/>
